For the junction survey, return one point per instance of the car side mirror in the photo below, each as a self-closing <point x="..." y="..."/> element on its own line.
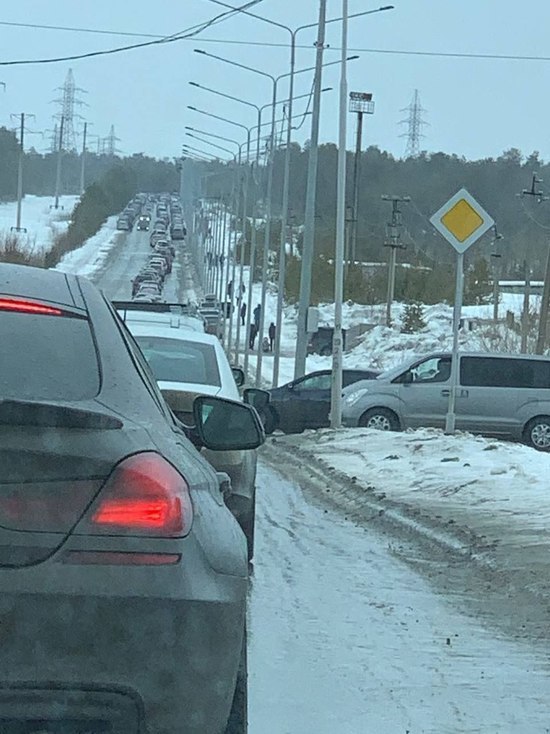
<point x="238" y="375"/>
<point x="227" y="425"/>
<point x="407" y="378"/>
<point x="259" y="399"/>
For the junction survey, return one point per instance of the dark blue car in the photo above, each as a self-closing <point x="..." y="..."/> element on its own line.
<point x="305" y="402"/>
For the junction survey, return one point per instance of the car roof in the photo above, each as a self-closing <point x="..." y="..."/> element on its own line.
<point x="40" y="284"/>
<point x="171" y="320"/>
<point x="228" y="388"/>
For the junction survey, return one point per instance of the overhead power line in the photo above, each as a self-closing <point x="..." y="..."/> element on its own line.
<point x="266" y="44"/>
<point x="182" y="35"/>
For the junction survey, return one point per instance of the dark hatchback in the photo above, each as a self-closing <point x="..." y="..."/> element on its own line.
<point x="123" y="576"/>
<point x="305" y="402"/>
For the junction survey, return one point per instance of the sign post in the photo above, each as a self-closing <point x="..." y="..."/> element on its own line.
<point x="462" y="221"/>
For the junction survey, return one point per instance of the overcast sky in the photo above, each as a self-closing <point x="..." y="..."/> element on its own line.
<point x="475" y="107"/>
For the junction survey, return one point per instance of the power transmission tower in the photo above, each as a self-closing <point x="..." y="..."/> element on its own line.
<point x="54" y="139"/>
<point x="393" y="240"/>
<point x="109" y="143"/>
<point x="67" y="104"/>
<point x="415" y="124"/>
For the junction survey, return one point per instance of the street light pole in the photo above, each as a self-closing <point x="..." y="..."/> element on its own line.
<point x="309" y="219"/>
<point x="337" y="346"/>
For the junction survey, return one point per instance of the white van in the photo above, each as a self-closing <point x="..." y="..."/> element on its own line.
<point x="498" y="395"/>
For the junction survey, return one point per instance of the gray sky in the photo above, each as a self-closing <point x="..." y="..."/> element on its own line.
<point x="475" y="107"/>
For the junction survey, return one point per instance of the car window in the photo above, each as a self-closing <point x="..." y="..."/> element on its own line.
<point x="434" y="369"/>
<point x="38" y="365"/>
<point x="504" y="372"/>
<point x="348" y="378"/>
<point x="177" y="360"/>
<point x="315" y="382"/>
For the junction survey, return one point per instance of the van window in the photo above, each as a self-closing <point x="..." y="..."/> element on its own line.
<point x="504" y="372"/>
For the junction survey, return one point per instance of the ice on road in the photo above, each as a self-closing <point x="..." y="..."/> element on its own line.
<point x="346" y="639"/>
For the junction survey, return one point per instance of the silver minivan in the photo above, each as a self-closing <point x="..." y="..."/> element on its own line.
<point x="498" y="395"/>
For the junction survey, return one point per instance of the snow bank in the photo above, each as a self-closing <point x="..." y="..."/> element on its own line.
<point x="497" y="490"/>
<point x="90" y="258"/>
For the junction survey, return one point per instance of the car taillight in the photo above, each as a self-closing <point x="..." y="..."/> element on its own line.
<point x="25" y="306"/>
<point x="144" y="495"/>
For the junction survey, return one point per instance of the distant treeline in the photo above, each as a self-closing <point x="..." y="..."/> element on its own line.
<point x="429" y="179"/>
<point x="40" y="170"/>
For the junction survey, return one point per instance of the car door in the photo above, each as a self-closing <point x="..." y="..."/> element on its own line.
<point x="492" y="389"/>
<point x="424" y="393"/>
<point x="311" y="398"/>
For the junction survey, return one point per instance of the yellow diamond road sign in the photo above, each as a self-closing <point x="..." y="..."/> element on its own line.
<point x="462" y="221"/>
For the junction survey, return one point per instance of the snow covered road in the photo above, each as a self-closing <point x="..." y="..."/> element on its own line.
<point x="126" y="258"/>
<point x="345" y="638"/>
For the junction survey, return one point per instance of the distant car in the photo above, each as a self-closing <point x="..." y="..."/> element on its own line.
<point x="321" y="341"/>
<point x="123" y="224"/>
<point x="186" y="364"/>
<point x="123" y="576"/>
<point x="143" y="223"/>
<point x="177" y="233"/>
<point x="305" y="403"/>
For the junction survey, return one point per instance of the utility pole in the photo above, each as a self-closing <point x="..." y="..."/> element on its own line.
<point x="337" y="341"/>
<point x="496" y="271"/>
<point x="394" y="243"/>
<point x="18" y="227"/>
<point x="544" y="305"/>
<point x="360" y="103"/>
<point x="309" y="220"/>
<point x="538" y="195"/>
<point x="59" y="156"/>
<point x="525" y="312"/>
<point x="83" y="160"/>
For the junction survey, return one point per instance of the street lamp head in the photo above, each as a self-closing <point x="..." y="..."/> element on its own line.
<point x="194" y="84"/>
<point x="352" y="58"/>
<point x="199" y="51"/>
<point x="189" y="107"/>
<point x="387" y="7"/>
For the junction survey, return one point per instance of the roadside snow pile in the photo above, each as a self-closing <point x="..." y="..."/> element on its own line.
<point x="497" y="490"/>
<point x="42" y="222"/>
<point x="90" y="258"/>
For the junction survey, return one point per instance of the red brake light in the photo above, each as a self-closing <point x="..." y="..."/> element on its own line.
<point x="24" y="306"/>
<point x="144" y="495"/>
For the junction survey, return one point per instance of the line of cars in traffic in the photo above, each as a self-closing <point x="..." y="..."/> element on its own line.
<point x="163" y="215"/>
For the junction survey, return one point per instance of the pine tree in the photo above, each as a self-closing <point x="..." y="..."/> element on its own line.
<point x="413" y="318"/>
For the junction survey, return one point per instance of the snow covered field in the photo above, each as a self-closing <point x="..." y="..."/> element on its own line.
<point x="42" y="222"/>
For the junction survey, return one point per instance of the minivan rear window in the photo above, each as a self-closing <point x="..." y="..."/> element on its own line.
<point x="47" y="358"/>
<point x="504" y="372"/>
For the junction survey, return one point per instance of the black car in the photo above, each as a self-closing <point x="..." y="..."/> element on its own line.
<point x="305" y="403"/>
<point x="123" y="576"/>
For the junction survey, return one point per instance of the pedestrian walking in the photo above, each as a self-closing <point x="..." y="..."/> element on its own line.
<point x="271" y="331"/>
<point x="257" y="315"/>
<point x="252" y="336"/>
<point x="230" y="289"/>
<point x="243" y="313"/>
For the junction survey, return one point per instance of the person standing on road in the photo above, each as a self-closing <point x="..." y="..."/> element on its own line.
<point x="243" y="313"/>
<point x="257" y="316"/>
<point x="271" y="331"/>
<point x="252" y="336"/>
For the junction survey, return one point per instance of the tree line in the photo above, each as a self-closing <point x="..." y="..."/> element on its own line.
<point x="429" y="179"/>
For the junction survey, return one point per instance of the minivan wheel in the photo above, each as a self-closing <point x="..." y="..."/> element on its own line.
<point x="537" y="433"/>
<point x="238" y="716"/>
<point x="381" y="419"/>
